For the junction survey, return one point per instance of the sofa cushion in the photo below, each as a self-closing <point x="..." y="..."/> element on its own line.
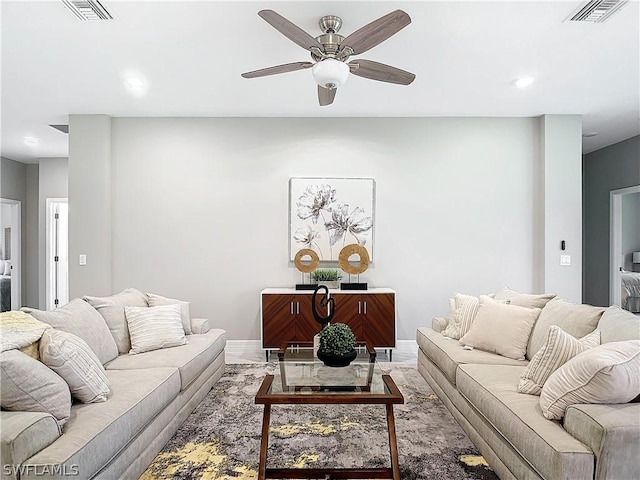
<point x="559" y="348"/>
<point x="447" y="353"/>
<point x="71" y="358"/>
<point x="466" y="307"/>
<point x="190" y="359"/>
<point x="576" y="320"/>
<point x="153" y="328"/>
<point x="158" y="300"/>
<point x="81" y="319"/>
<point x="612" y="432"/>
<point x="19" y="330"/>
<point x="30" y="386"/>
<point x="617" y="324"/>
<point x="607" y="373"/>
<point x="96" y="432"/>
<point x="554" y="453"/>
<point x="524" y="299"/>
<point x="501" y="328"/>
<point x="112" y="310"/>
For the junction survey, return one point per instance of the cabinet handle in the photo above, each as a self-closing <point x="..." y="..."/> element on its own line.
<point x="359" y="308"/>
<point x="291" y="309"/>
<point x="298" y="308"/>
<point x="365" y="307"/>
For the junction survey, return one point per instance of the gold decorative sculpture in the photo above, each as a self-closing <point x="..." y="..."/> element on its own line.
<point x="303" y="267"/>
<point x="354" y="249"/>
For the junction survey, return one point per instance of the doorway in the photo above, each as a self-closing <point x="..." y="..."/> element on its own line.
<point x="10" y="254"/>
<point x="57" y="253"/>
<point x="624" y="283"/>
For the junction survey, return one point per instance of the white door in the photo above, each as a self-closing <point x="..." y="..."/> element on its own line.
<point x="57" y="253"/>
<point x="10" y="255"/>
<point x="617" y="256"/>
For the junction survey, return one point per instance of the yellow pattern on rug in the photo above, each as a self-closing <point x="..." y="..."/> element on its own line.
<point x="473" y="460"/>
<point x="208" y="454"/>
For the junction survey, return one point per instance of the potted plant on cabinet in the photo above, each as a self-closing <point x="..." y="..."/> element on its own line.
<point x="337" y="345"/>
<point x="329" y="277"/>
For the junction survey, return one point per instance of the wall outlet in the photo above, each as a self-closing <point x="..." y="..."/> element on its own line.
<point x="565" y="260"/>
<point x="83" y="259"/>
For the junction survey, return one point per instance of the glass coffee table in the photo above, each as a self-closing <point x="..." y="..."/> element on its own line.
<point x="299" y="378"/>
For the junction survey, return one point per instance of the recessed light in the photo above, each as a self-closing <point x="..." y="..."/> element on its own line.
<point x="589" y="134"/>
<point x="30" y="141"/>
<point x="134" y="83"/>
<point x="523" y="82"/>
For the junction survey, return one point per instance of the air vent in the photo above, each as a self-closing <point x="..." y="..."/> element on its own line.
<point x="597" y="11"/>
<point x="88" y="9"/>
<point x="61" y="128"/>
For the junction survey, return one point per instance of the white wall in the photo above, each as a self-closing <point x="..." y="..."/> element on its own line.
<point x="54" y="177"/>
<point x="199" y="207"/>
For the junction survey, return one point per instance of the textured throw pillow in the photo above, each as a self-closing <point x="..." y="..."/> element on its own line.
<point x="157" y="300"/>
<point x="19" y="330"/>
<point x="30" y="386"/>
<point x="604" y="374"/>
<point x="71" y="358"/>
<point x="451" y="329"/>
<point x="466" y="307"/>
<point x="112" y="310"/>
<point x="576" y="320"/>
<point x="152" y="328"/>
<point x="524" y="299"/>
<point x="501" y="328"/>
<point x="559" y="348"/>
<point x="81" y="319"/>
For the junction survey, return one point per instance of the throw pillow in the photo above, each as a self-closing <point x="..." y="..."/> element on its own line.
<point x="81" y="319"/>
<point x="19" y="330"/>
<point x="157" y="300"/>
<point x="71" y="358"/>
<point x="152" y="328"/>
<point x="559" y="348"/>
<point x="524" y="299"/>
<point x="576" y="320"/>
<point x="112" y="310"/>
<point x="501" y="328"/>
<point x="451" y="329"/>
<point x="604" y="374"/>
<point x="30" y="386"/>
<point x="466" y="307"/>
<point x="617" y="325"/>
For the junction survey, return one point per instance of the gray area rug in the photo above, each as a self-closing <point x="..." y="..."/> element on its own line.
<point x="221" y="438"/>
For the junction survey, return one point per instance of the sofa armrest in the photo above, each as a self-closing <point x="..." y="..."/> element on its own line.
<point x="23" y="435"/>
<point x="200" y="325"/>
<point x="612" y="432"/>
<point x="438" y="324"/>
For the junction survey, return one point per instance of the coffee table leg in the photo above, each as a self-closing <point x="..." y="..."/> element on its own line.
<point x="264" y="442"/>
<point x="393" y="443"/>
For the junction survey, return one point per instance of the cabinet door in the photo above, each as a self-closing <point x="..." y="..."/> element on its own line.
<point x="379" y="320"/>
<point x="306" y="325"/>
<point x="277" y="319"/>
<point x="349" y="310"/>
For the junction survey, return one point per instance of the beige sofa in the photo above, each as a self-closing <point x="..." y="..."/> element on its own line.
<point x="152" y="393"/>
<point x="479" y="388"/>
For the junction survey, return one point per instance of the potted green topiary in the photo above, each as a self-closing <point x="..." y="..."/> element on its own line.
<point x="337" y="345"/>
<point x="328" y="277"/>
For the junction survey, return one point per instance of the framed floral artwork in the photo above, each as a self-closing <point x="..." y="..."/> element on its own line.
<point x="326" y="214"/>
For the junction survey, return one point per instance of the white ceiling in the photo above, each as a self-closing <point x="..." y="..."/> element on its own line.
<point x="191" y="54"/>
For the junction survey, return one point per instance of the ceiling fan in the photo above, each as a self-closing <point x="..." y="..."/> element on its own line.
<point x="331" y="52"/>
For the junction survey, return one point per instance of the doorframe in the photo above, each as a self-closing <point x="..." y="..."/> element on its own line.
<point x="615" y="242"/>
<point x="48" y="249"/>
<point x="16" y="251"/>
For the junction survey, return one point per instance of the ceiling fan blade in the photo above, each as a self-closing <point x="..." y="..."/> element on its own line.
<point x="381" y="72"/>
<point x="326" y="95"/>
<point x="376" y="32"/>
<point x="290" y="30"/>
<point x="287" y="67"/>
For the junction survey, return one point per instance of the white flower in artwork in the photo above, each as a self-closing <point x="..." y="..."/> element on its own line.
<point x="354" y="223"/>
<point x="314" y="199"/>
<point x="306" y="235"/>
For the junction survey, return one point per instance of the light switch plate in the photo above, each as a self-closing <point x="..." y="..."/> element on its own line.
<point x="565" y="260"/>
<point x="83" y="259"/>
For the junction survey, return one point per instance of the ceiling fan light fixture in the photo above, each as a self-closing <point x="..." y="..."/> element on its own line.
<point x="330" y="73"/>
